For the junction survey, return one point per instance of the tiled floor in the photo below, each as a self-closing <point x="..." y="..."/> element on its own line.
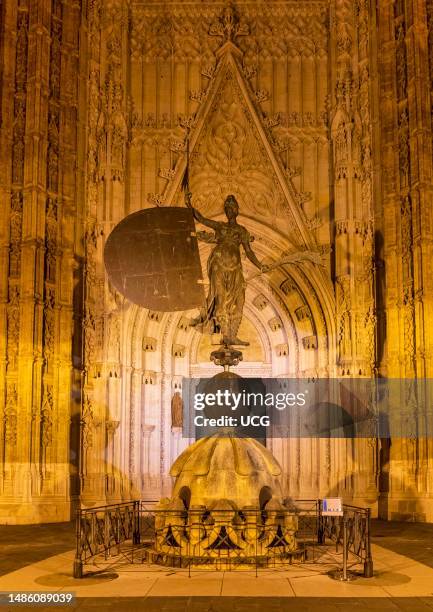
<point x="40" y="559"/>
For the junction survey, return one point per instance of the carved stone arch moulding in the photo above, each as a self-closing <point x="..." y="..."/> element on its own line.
<point x="262" y="331"/>
<point x="309" y="307"/>
<point x="313" y="284"/>
<point x="135" y="324"/>
<point x="275" y="308"/>
<point x="314" y="303"/>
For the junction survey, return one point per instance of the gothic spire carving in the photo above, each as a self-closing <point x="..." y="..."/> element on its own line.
<point x="229" y="90"/>
<point x="229" y="26"/>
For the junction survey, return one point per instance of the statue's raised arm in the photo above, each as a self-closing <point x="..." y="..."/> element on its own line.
<point x="198" y="216"/>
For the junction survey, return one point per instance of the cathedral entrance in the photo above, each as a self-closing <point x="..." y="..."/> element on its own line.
<point x="259" y="132"/>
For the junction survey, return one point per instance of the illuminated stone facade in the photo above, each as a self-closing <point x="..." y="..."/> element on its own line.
<point x="316" y="114"/>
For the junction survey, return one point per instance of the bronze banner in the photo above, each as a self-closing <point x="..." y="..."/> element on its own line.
<point x="152" y="258"/>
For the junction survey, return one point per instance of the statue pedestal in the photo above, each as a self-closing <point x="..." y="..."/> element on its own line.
<point x="227" y="502"/>
<point x="226" y="509"/>
<point x="226" y="356"/>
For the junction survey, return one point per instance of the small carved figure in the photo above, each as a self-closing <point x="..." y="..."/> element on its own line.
<point x="176" y="410"/>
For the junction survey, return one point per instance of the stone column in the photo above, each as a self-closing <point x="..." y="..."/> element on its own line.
<point x="176" y="434"/>
<point x="39" y="144"/>
<point x="146" y="431"/>
<point x="406" y="231"/>
<point x="112" y="483"/>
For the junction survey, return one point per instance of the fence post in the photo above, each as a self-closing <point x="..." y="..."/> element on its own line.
<point x="342" y="574"/>
<point x="106" y="535"/>
<point x="344" y="547"/>
<point x="78" y="561"/>
<point x="118" y="523"/>
<point x="368" y="563"/>
<point x="136" y="533"/>
<point x="320" y="528"/>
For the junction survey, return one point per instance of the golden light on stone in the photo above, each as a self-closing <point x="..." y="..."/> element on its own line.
<point x="226" y="507"/>
<point x="320" y="127"/>
<point x="227" y="468"/>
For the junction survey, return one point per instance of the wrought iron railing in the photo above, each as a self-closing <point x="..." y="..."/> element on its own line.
<point x="101" y="529"/>
<point x="222" y="538"/>
<point x="308" y="513"/>
<point x="357" y="522"/>
<point x="184" y="538"/>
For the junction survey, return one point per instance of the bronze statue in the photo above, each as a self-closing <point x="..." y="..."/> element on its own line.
<point x="225" y="300"/>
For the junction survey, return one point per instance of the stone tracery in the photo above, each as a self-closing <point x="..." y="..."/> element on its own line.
<point x="293" y="129"/>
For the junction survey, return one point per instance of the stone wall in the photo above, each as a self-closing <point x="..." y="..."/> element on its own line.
<point x="316" y="114"/>
<point x="39" y="229"/>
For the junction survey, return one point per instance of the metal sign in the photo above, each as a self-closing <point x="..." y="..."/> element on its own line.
<point x="152" y="258"/>
<point x="332" y="506"/>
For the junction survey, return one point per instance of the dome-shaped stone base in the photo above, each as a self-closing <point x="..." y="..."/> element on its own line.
<point x="226" y="508"/>
<point x="238" y="469"/>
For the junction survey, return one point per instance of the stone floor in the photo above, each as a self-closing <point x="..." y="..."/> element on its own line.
<point x="414" y="540"/>
<point x="22" y="545"/>
<point x="39" y="558"/>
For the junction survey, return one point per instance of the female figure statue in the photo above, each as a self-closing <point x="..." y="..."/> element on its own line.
<point x="225" y="300"/>
<point x="176" y="410"/>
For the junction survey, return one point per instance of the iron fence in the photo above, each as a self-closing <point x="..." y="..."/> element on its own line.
<point x="223" y="538"/>
<point x="308" y="513"/>
<point x="100" y="529"/>
<point x="357" y="522"/>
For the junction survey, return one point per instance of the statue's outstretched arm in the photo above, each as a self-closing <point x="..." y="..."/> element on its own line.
<point x="198" y="216"/>
<point x="250" y="253"/>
